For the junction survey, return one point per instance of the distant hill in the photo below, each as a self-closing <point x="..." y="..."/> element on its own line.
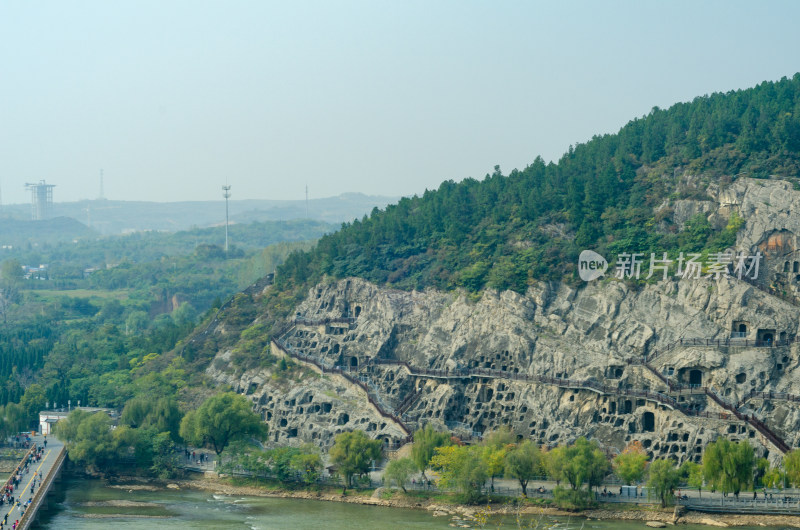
<point x="115" y="217"/>
<point x="19" y="233"/>
<point x="143" y="247"/>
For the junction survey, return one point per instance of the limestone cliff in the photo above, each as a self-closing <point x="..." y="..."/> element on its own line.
<point x="473" y="365"/>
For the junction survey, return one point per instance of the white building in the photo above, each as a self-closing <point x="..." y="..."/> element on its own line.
<point x="48" y="418"/>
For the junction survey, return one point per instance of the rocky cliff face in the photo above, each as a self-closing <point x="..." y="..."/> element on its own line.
<point x="472" y="365"/>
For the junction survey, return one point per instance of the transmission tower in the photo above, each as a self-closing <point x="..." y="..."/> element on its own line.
<point x="226" y="192"/>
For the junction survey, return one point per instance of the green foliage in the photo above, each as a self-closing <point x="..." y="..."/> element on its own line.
<point x="92" y="443"/>
<point x="33" y="401"/>
<point x="791" y="462"/>
<point x="572" y="499"/>
<point x="580" y="463"/>
<point x="288" y="465"/>
<point x="400" y="472"/>
<point x="280" y="462"/>
<point x="13" y="419"/>
<point x="184" y="314"/>
<point x="11" y="271"/>
<point x="494" y="459"/>
<point x="664" y="477"/>
<point x="500" y="438"/>
<point x="728" y="466"/>
<point x="630" y="464"/>
<point x="221" y="419"/>
<point x="496" y="445"/>
<point x="88" y="438"/>
<point x="353" y="453"/>
<point x="692" y="473"/>
<point x="153" y="246"/>
<point x="426" y="440"/>
<point x="137" y="322"/>
<point x="307" y="464"/>
<point x="166" y="462"/>
<point x="244" y="456"/>
<point x="462" y="468"/>
<point x="162" y="414"/>
<point x="505" y="230"/>
<point x="523" y="463"/>
<point x="774" y="478"/>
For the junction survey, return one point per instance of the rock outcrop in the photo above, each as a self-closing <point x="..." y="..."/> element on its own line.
<point x="419" y="355"/>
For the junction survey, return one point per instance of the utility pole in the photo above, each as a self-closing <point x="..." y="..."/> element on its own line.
<point x="226" y="192"/>
<point x="306" y="201"/>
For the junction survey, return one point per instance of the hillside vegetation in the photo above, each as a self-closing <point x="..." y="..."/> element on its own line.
<point x="507" y="230"/>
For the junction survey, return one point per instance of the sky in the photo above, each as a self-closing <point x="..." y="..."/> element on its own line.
<point x="171" y="99"/>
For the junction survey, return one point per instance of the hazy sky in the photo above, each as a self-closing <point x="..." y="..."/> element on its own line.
<point x="171" y="98"/>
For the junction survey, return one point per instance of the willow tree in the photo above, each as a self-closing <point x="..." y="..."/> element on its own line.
<point x="353" y="453"/>
<point x="664" y="478"/>
<point x="728" y="466"/>
<point x="220" y="420"/>
<point x="523" y="463"/>
<point x="426" y="440"/>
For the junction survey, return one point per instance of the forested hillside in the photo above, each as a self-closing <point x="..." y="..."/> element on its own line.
<point x="71" y="337"/>
<point x="69" y="257"/>
<point x="507" y="230"/>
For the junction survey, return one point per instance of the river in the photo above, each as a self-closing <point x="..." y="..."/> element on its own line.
<point x="79" y="503"/>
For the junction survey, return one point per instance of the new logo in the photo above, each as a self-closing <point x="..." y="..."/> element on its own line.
<point x="591" y="265"/>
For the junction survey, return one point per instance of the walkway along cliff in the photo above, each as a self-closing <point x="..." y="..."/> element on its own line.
<point x="672" y="364"/>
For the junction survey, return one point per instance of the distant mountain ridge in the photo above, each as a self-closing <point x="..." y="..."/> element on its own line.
<point x="16" y="233"/>
<point x="115" y="217"/>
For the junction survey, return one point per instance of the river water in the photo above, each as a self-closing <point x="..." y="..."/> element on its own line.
<point x="79" y="503"/>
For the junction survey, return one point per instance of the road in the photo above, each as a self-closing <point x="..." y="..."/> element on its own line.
<point x="23" y="493"/>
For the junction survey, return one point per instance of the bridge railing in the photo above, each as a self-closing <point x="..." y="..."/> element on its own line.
<point x="14" y="473"/>
<point x="44" y="486"/>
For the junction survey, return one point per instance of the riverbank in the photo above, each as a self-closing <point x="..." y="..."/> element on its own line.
<point x="441" y="506"/>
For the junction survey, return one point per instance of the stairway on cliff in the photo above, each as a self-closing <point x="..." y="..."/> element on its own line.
<point x="756" y="423"/>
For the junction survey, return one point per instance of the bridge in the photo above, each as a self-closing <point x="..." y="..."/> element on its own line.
<point x="26" y="504"/>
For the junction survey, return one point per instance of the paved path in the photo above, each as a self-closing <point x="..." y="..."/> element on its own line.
<point x="23" y="493"/>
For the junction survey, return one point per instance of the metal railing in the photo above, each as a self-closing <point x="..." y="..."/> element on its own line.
<point x="782" y="505"/>
<point x="768" y="395"/>
<point x="366" y="384"/>
<point x="757" y="424"/>
<point x="329" y="369"/>
<point x="28" y="517"/>
<point x="16" y="471"/>
<point x="721" y="343"/>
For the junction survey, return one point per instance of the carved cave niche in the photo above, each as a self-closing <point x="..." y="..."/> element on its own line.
<point x="648" y="422"/>
<point x="777" y="243"/>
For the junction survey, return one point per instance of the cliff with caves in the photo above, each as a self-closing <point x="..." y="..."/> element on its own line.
<point x="673" y="364"/>
<point x="463" y="307"/>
